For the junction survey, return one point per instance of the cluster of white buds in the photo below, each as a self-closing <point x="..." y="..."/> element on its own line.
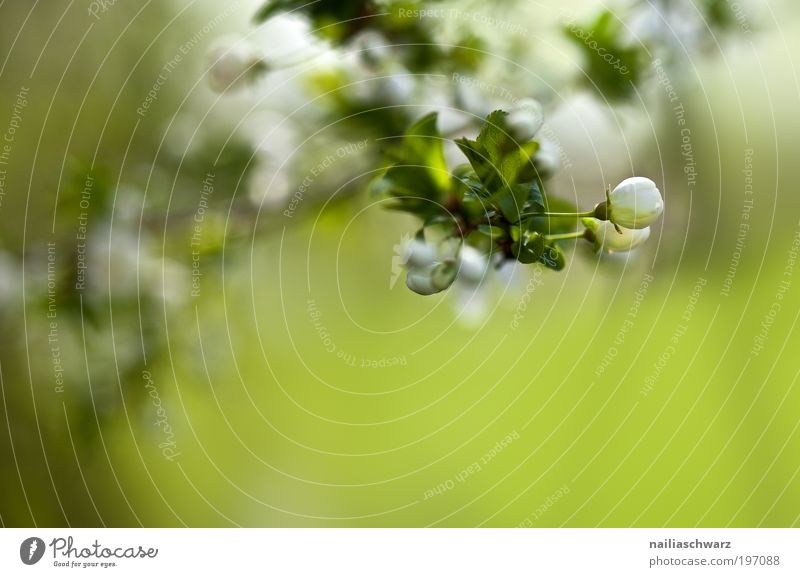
<point x="234" y="64"/>
<point x="432" y="270"/>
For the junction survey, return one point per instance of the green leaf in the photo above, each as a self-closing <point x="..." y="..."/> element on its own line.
<point x="498" y="161"/>
<point x="517" y="164"/>
<point x="494" y="138"/>
<point x="493" y="232"/>
<point x="553" y="257"/>
<point x="421" y="171"/>
<point x="530" y="249"/>
<point x="511" y="201"/>
<point x="478" y="157"/>
<point x="423" y="145"/>
<point x="536" y="200"/>
<point x="495" y="154"/>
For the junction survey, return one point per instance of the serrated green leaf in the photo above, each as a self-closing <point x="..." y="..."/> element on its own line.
<point x="531" y="197"/>
<point x="478" y="157"/>
<point x="494" y="137"/>
<point x="422" y="170"/>
<point x="527" y="170"/>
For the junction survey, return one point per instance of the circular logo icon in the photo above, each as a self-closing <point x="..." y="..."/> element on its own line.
<point x="31" y="550"/>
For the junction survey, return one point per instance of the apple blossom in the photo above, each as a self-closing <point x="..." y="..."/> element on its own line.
<point x="634" y="203"/>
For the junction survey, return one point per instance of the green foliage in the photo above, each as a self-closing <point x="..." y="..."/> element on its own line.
<point x="529" y="249"/>
<point x="495" y="196"/>
<point x="414" y="40"/>
<point x="420" y="181"/>
<point x="322" y="12"/>
<point x="612" y="66"/>
<point x="499" y="162"/>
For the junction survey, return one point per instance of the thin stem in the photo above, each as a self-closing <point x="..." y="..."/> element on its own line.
<point x="565" y="236"/>
<point x="560" y="214"/>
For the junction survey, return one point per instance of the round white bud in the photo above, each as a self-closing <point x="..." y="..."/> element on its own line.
<point x="472" y="265"/>
<point x="231" y="65"/>
<point x="634" y="203"/>
<point x="525" y="119"/>
<point x="419" y="254"/>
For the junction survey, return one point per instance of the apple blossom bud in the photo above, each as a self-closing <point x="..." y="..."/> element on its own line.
<point x="372" y="48"/>
<point x="634" y="203"/>
<point x="472" y="265"/>
<point x="233" y="64"/>
<point x="419" y="254"/>
<point x="547" y="159"/>
<point x="420" y="281"/>
<point x="431" y="279"/>
<point x="607" y="238"/>
<point x="525" y="119"/>
<point x="396" y="88"/>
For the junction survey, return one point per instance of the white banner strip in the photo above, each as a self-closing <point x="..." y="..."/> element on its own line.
<point x="400" y="552"/>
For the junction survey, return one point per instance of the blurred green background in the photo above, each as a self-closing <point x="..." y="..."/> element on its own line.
<point x="299" y="388"/>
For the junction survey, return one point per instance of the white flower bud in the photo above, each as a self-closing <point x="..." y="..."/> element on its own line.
<point x="471" y="305"/>
<point x="525" y="119"/>
<point x="372" y="48"/>
<point x="472" y="265"/>
<point x="635" y="203"/>
<point x="396" y="88"/>
<point x="547" y="159"/>
<point x="452" y="120"/>
<point x="468" y="96"/>
<point x="421" y="282"/>
<point x="268" y="187"/>
<point x="419" y="254"/>
<point x="232" y="65"/>
<point x="608" y="239"/>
